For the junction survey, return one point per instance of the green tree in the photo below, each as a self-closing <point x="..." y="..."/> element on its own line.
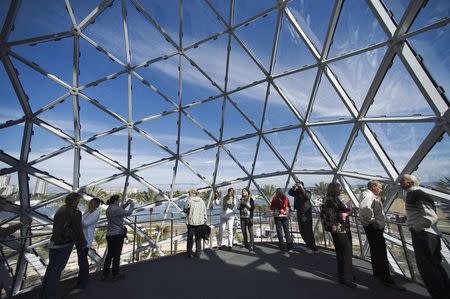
<point x="148" y="196"/>
<point x="100" y="238"/>
<point x="443" y="185"/>
<point x="97" y="191"/>
<point x="268" y="191"/>
<point x="320" y="189"/>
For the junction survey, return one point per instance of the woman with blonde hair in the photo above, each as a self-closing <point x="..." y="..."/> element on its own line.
<point x="246" y="208"/>
<point x="228" y="205"/>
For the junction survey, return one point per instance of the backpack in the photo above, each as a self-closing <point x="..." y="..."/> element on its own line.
<point x="327" y="217"/>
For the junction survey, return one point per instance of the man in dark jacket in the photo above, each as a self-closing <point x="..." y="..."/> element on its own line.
<point x="67" y="231"/>
<point x="302" y="203"/>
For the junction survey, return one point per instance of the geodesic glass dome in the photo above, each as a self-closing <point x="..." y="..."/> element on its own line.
<point x="153" y="98"/>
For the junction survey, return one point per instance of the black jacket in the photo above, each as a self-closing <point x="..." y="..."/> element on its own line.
<point x="301" y="198"/>
<point x="67" y="227"/>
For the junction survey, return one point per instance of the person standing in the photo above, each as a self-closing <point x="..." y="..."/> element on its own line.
<point x="246" y="208"/>
<point x="67" y="231"/>
<point x="280" y="208"/>
<point x="340" y="232"/>
<point x="302" y="203"/>
<point x="228" y="205"/>
<point x="421" y="218"/>
<point x="372" y="218"/>
<point x="115" y="234"/>
<point x="89" y="221"/>
<point x="196" y="217"/>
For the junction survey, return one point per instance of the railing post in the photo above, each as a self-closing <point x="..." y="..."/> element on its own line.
<point x="171" y="233"/>
<point x="361" y="254"/>
<point x="405" y="249"/>
<point x="260" y="227"/>
<point x="134" y="238"/>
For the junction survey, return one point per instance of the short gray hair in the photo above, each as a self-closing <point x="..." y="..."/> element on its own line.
<point x="373" y="183"/>
<point x="413" y="179"/>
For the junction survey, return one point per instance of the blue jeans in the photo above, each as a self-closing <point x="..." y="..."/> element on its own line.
<point x="282" y="224"/>
<point x="83" y="265"/>
<point x="58" y="258"/>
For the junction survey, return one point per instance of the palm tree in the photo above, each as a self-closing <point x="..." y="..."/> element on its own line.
<point x="100" y="237"/>
<point x="97" y="191"/>
<point x="443" y="185"/>
<point x="268" y="191"/>
<point x="320" y="189"/>
<point x="148" y="196"/>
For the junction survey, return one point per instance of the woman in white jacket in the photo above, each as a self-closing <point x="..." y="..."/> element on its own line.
<point x="228" y="205"/>
<point x="89" y="222"/>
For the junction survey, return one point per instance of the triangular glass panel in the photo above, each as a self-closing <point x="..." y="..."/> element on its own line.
<point x="311" y="15"/>
<point x="81" y="9"/>
<point x="60" y="116"/>
<point x="55" y="57"/>
<point x="94" y="64"/>
<point x="430" y="44"/>
<point x="208" y="115"/>
<point x="43" y="142"/>
<point x="222" y="7"/>
<point x="292" y="52"/>
<point x="328" y="104"/>
<point x="187" y="180"/>
<point x="195" y="85"/>
<point x="251" y="101"/>
<point x="432" y="12"/>
<point x="356" y="33"/>
<point x="228" y="169"/>
<point x="107" y="31"/>
<point x="278" y="114"/>
<point x="144" y="151"/>
<point x="93" y="169"/>
<point x="397" y="7"/>
<point x="113" y="146"/>
<point x="285" y="142"/>
<point x="192" y="136"/>
<point x="164" y="129"/>
<point x="244" y="152"/>
<point x="11" y="108"/>
<point x="94" y="121"/>
<point x="11" y="138"/>
<point x="235" y="124"/>
<point x="267" y="162"/>
<point x="434" y="169"/>
<point x="257" y="33"/>
<point x="213" y="65"/>
<point x="297" y="88"/>
<point x="333" y="138"/>
<point x="242" y="69"/>
<point x="42" y="191"/>
<point x="195" y="15"/>
<point x="60" y="166"/>
<point x="39" y="89"/>
<point x="398" y="95"/>
<point x="362" y="159"/>
<point x="159" y="176"/>
<point x="309" y="156"/>
<point x="244" y="10"/>
<point x="167" y="14"/>
<point x="140" y="32"/>
<point x="203" y="162"/>
<point x="356" y="73"/>
<point x="112" y="94"/>
<point x="29" y="21"/>
<point x="412" y="134"/>
<point x="146" y="102"/>
<point x="164" y="76"/>
<point x="106" y="189"/>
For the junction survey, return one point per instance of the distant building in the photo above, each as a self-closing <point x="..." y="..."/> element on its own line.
<point x="40" y="187"/>
<point x="4" y="180"/>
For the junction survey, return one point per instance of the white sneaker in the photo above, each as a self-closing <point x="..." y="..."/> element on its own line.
<point x="309" y="251"/>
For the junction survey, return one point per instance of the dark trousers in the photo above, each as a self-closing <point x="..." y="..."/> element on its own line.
<point x="58" y="258"/>
<point x="115" y="244"/>
<point x="193" y="230"/>
<point x="282" y="224"/>
<point x="306" y="228"/>
<point x="378" y="255"/>
<point x="247" y="225"/>
<point x="427" y="249"/>
<point x="83" y="265"/>
<point x="343" y="246"/>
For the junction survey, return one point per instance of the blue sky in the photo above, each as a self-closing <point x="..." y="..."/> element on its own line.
<point x="397" y="96"/>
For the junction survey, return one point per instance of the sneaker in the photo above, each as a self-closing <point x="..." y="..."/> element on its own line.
<point x="309" y="251"/>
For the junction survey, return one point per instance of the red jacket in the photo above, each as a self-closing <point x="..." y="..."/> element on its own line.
<point x="280" y="206"/>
